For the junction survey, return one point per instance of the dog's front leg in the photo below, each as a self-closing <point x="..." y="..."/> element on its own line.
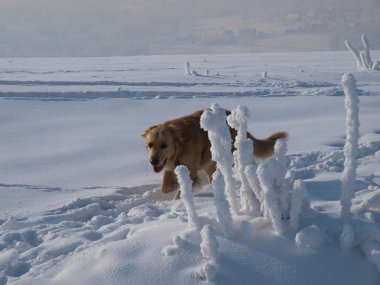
<point x="169" y="182"/>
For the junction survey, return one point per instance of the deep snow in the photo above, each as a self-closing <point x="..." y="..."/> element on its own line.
<point x="80" y="204"/>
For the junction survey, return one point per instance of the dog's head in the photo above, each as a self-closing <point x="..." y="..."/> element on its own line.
<point x="163" y="144"/>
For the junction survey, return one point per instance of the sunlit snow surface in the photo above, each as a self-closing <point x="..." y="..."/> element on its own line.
<point x="79" y="203"/>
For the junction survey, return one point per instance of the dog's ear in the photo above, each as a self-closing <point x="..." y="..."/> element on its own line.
<point x="148" y="130"/>
<point x="179" y="131"/>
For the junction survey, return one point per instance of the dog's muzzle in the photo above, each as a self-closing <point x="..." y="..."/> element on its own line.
<point x="156" y="167"/>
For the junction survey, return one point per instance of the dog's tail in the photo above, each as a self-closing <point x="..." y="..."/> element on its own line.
<point x="265" y="148"/>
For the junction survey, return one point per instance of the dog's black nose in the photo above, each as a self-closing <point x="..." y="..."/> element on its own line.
<point x="154" y="161"/>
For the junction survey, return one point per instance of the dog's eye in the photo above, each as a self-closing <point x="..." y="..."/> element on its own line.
<point x="150" y="145"/>
<point x="164" y="145"/>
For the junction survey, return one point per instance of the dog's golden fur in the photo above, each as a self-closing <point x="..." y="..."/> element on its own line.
<point x="182" y="142"/>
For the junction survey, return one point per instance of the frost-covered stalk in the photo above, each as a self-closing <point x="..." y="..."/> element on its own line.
<point x="363" y="59"/>
<point x="297" y="197"/>
<point x="243" y="156"/>
<point x="355" y="53"/>
<point x="214" y="122"/>
<point x="351" y="145"/>
<point x="253" y="180"/>
<point x="209" y="249"/>
<point x="187" y="68"/>
<point x="347" y="237"/>
<point x="265" y="176"/>
<point x="185" y="185"/>
<point x="222" y="206"/>
<point x="209" y="244"/>
<point x="250" y="172"/>
<point x="275" y="184"/>
<point x="367" y="55"/>
<point x="282" y="186"/>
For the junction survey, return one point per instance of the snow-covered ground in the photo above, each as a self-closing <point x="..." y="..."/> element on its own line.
<point x="79" y="203"/>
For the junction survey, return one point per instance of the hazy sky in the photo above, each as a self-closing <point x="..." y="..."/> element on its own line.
<point x="43" y="28"/>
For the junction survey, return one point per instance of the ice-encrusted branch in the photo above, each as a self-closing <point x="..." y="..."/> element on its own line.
<point x="185" y="185"/>
<point x="243" y="156"/>
<point x="347" y="238"/>
<point x="250" y="172"/>
<point x="363" y="59"/>
<point x="209" y="244"/>
<point x="282" y="185"/>
<point x="222" y="206"/>
<point x="296" y="202"/>
<point x="214" y="122"/>
<point x="187" y="68"/>
<point x="355" y="53"/>
<point x="367" y="55"/>
<point x="351" y="145"/>
<point x="265" y="176"/>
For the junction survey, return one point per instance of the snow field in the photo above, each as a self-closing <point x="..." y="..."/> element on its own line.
<point x="58" y="226"/>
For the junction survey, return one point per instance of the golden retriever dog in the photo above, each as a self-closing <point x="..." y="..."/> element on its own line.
<point x="182" y="142"/>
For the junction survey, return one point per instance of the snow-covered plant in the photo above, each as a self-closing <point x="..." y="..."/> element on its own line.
<point x="185" y="185"/>
<point x="363" y="58"/>
<point x="266" y="178"/>
<point x="351" y="145"/>
<point x="187" y="68"/>
<point x="222" y="206"/>
<point x="243" y="156"/>
<point x="347" y="237"/>
<point x="265" y="189"/>
<point x="250" y="172"/>
<point x="283" y="180"/>
<point x="209" y="244"/>
<point x="209" y="249"/>
<point x="296" y="202"/>
<point x="276" y="189"/>
<point x="366" y="55"/>
<point x="214" y="122"/>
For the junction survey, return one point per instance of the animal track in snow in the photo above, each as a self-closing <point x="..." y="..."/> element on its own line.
<point x="32" y="244"/>
<point x="307" y="165"/>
